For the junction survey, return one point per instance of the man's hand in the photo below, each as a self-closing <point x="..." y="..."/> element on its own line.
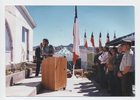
<point x="104" y="68"/>
<point x="96" y="63"/>
<point x="90" y="62"/>
<point x="45" y="54"/>
<point x="119" y="74"/>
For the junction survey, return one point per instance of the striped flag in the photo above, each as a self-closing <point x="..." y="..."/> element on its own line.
<point x="92" y="40"/>
<point x="114" y="36"/>
<point x="100" y="42"/>
<point x="76" y="39"/>
<point x="107" y="40"/>
<point x="85" y="41"/>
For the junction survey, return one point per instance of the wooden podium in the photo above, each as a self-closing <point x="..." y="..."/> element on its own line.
<point x="54" y="73"/>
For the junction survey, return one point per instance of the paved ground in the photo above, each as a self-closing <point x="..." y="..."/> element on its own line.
<point x="77" y="87"/>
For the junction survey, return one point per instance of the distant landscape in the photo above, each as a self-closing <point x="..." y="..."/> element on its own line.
<point x="70" y="48"/>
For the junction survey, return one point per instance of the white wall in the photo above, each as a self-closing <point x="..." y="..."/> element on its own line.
<point x="16" y="19"/>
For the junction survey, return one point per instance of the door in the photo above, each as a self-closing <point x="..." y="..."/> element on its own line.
<point x="27" y="43"/>
<point x="8" y="45"/>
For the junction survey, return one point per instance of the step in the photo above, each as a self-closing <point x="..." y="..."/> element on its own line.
<point x="31" y="64"/>
<point x="27" y="87"/>
<point x="34" y="71"/>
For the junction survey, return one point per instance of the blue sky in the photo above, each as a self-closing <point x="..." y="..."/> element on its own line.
<point x="56" y="23"/>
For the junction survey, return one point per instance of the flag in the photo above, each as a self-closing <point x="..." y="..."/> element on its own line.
<point x="76" y="39"/>
<point x="92" y="40"/>
<point x="100" y="42"/>
<point x="114" y="36"/>
<point x="85" y="41"/>
<point x="107" y="40"/>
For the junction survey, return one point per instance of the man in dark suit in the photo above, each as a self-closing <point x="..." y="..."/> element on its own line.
<point x="38" y="53"/>
<point x="103" y="58"/>
<point x="116" y="62"/>
<point x="94" y="67"/>
<point x="98" y="64"/>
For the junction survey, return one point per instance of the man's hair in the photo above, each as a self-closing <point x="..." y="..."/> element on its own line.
<point x="115" y="49"/>
<point x="97" y="49"/>
<point x="106" y="48"/>
<point x="110" y="52"/>
<point x="40" y="43"/>
<point x="46" y="40"/>
<point x="101" y="47"/>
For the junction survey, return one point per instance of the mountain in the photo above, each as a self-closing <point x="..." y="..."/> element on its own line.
<point x="71" y="45"/>
<point x="70" y="48"/>
<point x="35" y="47"/>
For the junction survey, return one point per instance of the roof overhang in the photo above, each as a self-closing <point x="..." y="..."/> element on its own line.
<point x="28" y="16"/>
<point x="117" y="41"/>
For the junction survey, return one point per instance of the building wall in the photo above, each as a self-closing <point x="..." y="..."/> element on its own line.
<point x="16" y="19"/>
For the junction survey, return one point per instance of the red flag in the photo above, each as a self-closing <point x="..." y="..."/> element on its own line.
<point x="100" y="42"/>
<point x="76" y="39"/>
<point x="85" y="41"/>
<point x="92" y="40"/>
<point x="108" y="40"/>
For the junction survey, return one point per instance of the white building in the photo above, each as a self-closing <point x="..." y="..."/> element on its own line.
<point x="19" y="27"/>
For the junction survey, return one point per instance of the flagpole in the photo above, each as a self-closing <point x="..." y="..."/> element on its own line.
<point x="93" y="54"/>
<point x="73" y="76"/>
<point x="92" y="41"/>
<point x="75" y="41"/>
<point x="86" y="61"/>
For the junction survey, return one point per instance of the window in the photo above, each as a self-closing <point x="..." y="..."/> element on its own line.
<point x="23" y="34"/>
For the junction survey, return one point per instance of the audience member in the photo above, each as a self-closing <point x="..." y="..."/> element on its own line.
<point x="116" y="62"/>
<point x="103" y="58"/>
<point x="126" y="69"/>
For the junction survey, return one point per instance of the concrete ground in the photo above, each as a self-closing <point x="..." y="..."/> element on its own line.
<point x="77" y="87"/>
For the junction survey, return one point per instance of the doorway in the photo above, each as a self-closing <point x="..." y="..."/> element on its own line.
<point x="8" y="44"/>
<point x="27" y="43"/>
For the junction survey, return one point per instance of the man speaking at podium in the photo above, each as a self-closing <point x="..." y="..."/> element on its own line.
<point x="48" y="50"/>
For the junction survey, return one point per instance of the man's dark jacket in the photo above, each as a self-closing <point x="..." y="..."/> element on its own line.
<point x="37" y="53"/>
<point x="96" y="60"/>
<point x="117" y="62"/>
